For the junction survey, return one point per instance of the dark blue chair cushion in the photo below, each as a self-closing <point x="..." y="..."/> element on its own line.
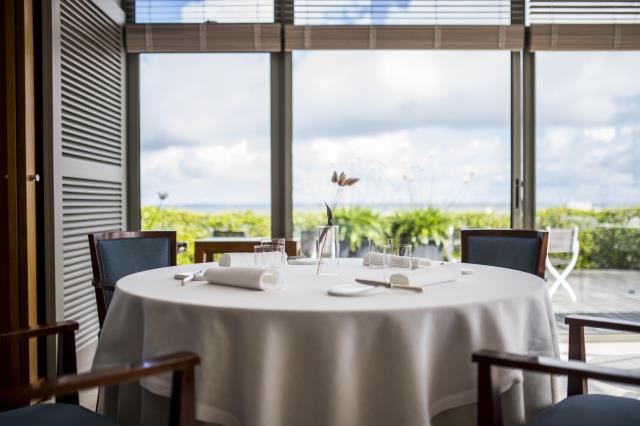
<point x="590" y="410"/>
<point x="53" y="415"/>
<point x="516" y="253"/>
<point x="126" y="256"/>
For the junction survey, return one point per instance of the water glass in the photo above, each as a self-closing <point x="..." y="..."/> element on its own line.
<point x="272" y="242"/>
<point x="269" y="256"/>
<point x="376" y="254"/>
<point x="397" y="256"/>
<point x="275" y="242"/>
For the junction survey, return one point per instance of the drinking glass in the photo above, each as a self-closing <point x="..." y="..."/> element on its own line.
<point x="396" y="256"/>
<point x="276" y="242"/>
<point x="272" y="242"/>
<point x="269" y="256"/>
<point x="376" y="254"/>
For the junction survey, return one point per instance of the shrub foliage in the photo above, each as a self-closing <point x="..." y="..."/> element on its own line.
<point x="606" y="238"/>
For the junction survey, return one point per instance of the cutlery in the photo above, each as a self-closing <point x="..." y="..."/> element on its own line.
<point x="193" y="277"/>
<point x="389" y="285"/>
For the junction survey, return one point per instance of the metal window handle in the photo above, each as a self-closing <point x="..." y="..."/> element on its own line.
<point x="34" y="178"/>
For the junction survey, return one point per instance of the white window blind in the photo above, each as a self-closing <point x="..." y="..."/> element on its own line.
<point x="400" y="12"/>
<point x="200" y="11"/>
<point x="583" y="12"/>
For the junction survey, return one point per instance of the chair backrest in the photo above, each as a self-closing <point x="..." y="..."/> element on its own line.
<point x="517" y="249"/>
<point x="562" y="240"/>
<point x="221" y="233"/>
<point x="117" y="254"/>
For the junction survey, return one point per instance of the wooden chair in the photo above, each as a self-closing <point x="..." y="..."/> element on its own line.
<point x="562" y="241"/>
<point x="65" y="387"/>
<point x="517" y="249"/>
<point x="117" y="254"/>
<point x="579" y="408"/>
<point x="205" y="249"/>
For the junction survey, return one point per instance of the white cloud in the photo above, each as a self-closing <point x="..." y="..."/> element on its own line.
<point x="204" y="99"/>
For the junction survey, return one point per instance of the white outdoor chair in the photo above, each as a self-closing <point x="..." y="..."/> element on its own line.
<point x="562" y="241"/>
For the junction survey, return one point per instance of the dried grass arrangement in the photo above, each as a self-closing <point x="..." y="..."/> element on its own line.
<point x="341" y="181"/>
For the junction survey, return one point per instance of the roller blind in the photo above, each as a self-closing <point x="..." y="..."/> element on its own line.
<point x="572" y="37"/>
<point x="451" y="37"/>
<point x="584" y="25"/>
<point x="85" y="155"/>
<point x="203" y="38"/>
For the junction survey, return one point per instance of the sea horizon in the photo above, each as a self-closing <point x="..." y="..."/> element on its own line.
<point x="381" y="207"/>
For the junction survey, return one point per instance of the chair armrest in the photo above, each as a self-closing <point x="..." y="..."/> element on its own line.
<point x="543" y="364"/>
<point x="606" y="323"/>
<point x="489" y="401"/>
<point x="577" y="348"/>
<point x="39" y="330"/>
<point x="68" y="384"/>
<point x="103" y="286"/>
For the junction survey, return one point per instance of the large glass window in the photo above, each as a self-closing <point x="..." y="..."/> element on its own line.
<point x="588" y="178"/>
<point x="426" y="132"/>
<point x="205" y="144"/>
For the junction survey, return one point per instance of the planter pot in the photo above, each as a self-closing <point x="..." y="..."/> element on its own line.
<point x="360" y="251"/>
<point x="430" y="251"/>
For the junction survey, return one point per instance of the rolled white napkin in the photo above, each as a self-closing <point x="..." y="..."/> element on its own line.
<point x="397" y="261"/>
<point x="423" y="277"/>
<point x="251" y="278"/>
<point x="247" y="259"/>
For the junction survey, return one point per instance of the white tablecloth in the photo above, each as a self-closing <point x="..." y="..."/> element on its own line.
<point x="297" y="356"/>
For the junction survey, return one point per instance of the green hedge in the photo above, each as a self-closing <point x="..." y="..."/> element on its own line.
<point x="604" y="241"/>
<point x="191" y="226"/>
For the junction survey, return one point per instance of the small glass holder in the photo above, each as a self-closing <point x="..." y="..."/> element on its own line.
<point x="327" y="250"/>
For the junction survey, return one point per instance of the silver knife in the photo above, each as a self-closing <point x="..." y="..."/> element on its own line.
<point x="389" y="285"/>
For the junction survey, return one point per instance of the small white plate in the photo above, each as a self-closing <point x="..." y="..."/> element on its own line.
<point x="355" y="290"/>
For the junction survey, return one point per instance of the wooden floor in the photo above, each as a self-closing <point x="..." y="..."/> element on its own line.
<point x="608" y="293"/>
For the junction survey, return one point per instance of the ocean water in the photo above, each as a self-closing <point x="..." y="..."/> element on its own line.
<point x="382" y="208"/>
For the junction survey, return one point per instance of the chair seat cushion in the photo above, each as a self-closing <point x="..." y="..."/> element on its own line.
<point x="53" y="414"/>
<point x="590" y="410"/>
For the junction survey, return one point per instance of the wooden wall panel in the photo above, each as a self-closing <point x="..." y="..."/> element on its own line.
<point x="146" y="38"/>
<point x="572" y="37"/>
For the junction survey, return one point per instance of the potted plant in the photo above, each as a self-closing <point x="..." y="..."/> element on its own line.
<point x="427" y="229"/>
<point x="358" y="226"/>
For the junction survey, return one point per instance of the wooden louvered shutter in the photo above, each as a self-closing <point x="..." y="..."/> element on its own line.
<point x="84" y="151"/>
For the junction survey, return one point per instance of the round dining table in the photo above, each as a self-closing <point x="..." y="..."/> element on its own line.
<point x="299" y="356"/>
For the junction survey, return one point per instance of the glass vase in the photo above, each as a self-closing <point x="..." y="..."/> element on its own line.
<point x="327" y="250"/>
